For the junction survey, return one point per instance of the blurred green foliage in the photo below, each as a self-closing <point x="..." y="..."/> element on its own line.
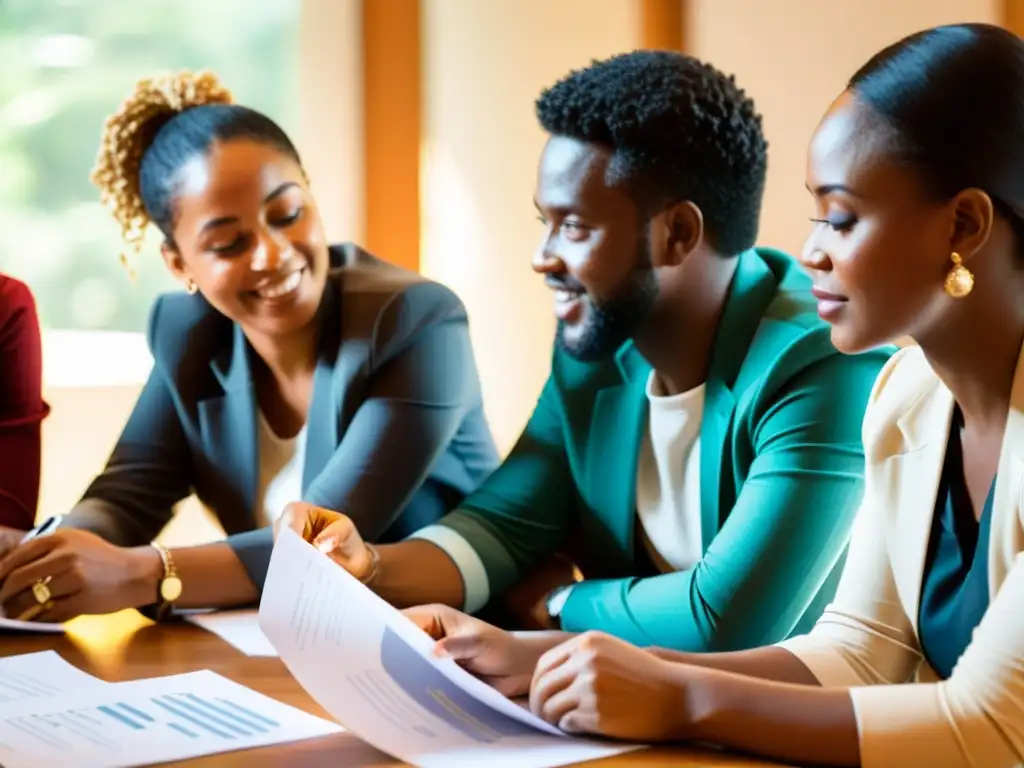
<point x="66" y="65"/>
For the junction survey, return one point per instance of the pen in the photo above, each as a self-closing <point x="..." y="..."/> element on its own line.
<point x="42" y="529"/>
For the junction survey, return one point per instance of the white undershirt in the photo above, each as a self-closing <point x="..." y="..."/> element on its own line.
<point x="667" y="496"/>
<point x="280" y="479"/>
<point x="668" y="478"/>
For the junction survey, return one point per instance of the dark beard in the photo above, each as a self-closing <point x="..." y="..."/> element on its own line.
<point x="613" y="322"/>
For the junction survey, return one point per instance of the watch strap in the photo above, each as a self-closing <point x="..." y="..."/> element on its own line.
<point x="169" y="586"/>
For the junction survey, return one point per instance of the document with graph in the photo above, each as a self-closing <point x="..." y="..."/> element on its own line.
<point x="41" y="675"/>
<point x="110" y="725"/>
<point x="375" y="672"/>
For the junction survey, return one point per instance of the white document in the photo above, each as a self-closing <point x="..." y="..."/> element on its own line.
<point x="41" y="675"/>
<point x="376" y="673"/>
<point x="29" y="627"/>
<point x="147" y="721"/>
<point x="239" y="628"/>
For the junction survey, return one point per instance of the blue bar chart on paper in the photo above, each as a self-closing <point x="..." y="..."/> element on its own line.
<point x="149" y="721"/>
<point x="182" y="715"/>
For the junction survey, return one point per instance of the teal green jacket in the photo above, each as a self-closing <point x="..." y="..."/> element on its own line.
<point x="781" y="478"/>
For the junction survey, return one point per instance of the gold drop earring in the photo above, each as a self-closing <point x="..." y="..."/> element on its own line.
<point x="959" y="279"/>
<point x="191" y="287"/>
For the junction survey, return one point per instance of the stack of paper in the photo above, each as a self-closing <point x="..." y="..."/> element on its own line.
<point x="376" y="673"/>
<point x="54" y="715"/>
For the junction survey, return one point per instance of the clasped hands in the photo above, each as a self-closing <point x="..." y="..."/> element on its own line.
<point x="589" y="683"/>
<point x="71" y="572"/>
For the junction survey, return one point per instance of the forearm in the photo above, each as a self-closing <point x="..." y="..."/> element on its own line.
<point x="211" y="576"/>
<point x="416" y="572"/>
<point x="114" y="522"/>
<point x="782" y="722"/>
<point x="768" y="663"/>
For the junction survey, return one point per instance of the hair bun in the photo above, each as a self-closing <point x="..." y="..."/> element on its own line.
<point x="128" y="133"/>
<point x="176" y="92"/>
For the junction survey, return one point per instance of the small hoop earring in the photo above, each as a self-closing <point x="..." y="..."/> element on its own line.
<point x="959" y="280"/>
<point x="191" y="287"/>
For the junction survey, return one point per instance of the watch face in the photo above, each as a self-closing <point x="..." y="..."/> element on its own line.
<point x="170" y="589"/>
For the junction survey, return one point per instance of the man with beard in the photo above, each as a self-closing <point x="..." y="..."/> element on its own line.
<point x="697" y="447"/>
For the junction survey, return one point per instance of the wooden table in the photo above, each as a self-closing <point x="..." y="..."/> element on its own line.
<point x="125" y="646"/>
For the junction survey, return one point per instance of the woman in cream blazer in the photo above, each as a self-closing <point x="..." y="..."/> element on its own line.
<point x="917" y="172"/>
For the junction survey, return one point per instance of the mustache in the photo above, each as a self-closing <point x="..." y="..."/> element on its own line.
<point x="560" y="284"/>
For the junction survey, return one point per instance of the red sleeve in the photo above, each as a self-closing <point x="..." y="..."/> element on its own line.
<point x="22" y="409"/>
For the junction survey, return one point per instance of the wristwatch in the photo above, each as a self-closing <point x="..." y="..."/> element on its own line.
<point x="169" y="587"/>
<point x="555" y="603"/>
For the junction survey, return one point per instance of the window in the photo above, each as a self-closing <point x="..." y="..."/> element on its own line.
<point x="67" y="64"/>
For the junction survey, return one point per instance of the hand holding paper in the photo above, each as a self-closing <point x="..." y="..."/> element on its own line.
<point x="376" y="672"/>
<point x="331" y="533"/>
<point x="504" y="660"/>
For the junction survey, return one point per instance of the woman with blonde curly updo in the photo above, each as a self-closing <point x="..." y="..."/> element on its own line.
<point x="288" y="369"/>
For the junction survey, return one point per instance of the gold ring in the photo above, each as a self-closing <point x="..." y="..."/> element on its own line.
<point x="35" y="610"/>
<point x="41" y="591"/>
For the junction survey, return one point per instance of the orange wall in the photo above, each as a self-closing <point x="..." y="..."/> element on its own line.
<point x="391" y="119"/>
<point x="662" y="24"/>
<point x="1013" y="15"/>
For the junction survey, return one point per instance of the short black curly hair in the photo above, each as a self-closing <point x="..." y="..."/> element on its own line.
<point x="678" y="128"/>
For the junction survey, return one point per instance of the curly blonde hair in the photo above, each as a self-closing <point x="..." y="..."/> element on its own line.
<point x="128" y="133"/>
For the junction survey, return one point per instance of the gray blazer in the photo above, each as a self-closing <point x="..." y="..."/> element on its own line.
<point x="395" y="437"/>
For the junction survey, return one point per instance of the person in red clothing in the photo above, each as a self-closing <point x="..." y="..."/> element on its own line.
<point x="22" y="408"/>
